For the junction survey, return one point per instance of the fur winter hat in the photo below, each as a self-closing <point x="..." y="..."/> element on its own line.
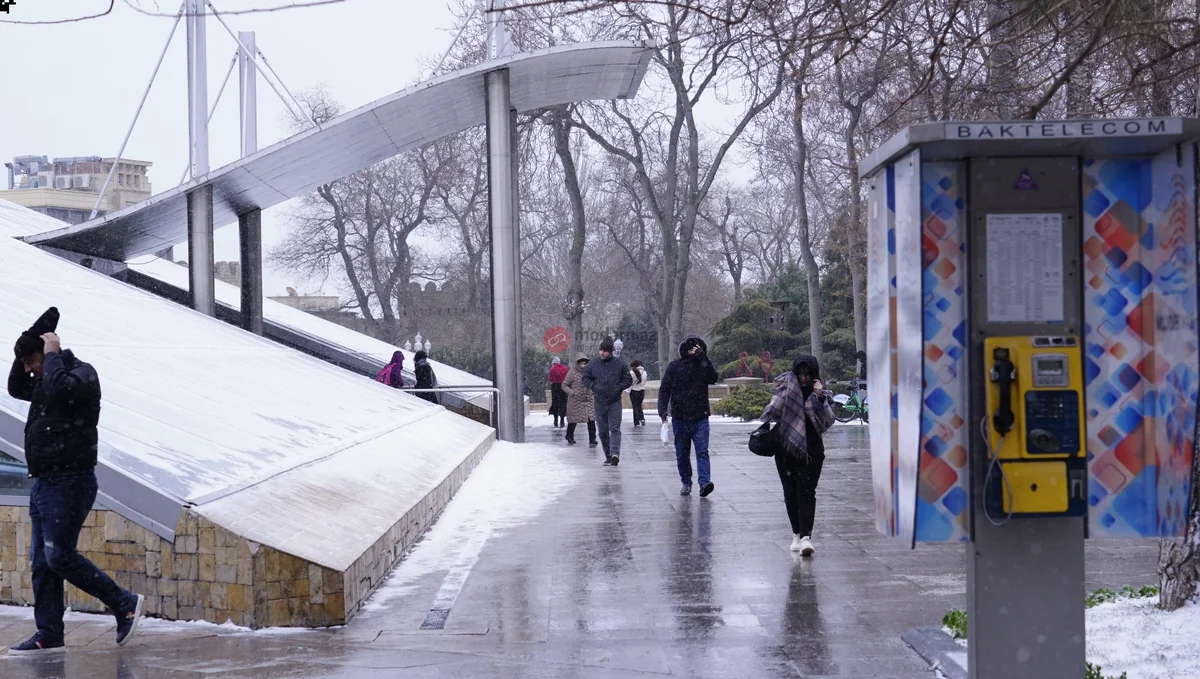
<point x="30" y="342"/>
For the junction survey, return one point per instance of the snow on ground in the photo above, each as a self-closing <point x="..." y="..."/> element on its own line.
<point x="513" y="484"/>
<point x="16" y="614"/>
<point x="1134" y="636"/>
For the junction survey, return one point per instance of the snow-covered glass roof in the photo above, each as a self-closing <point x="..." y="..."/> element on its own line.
<point x="193" y="408"/>
<point x="324" y="332"/>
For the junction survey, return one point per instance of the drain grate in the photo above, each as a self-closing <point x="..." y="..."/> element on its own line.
<point x="436" y="619"/>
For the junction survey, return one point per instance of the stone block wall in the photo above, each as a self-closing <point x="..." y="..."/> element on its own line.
<point x="369" y="571"/>
<point x="206" y="573"/>
<point x="209" y="573"/>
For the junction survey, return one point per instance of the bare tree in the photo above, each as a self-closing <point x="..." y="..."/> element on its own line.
<point x="664" y="149"/>
<point x="727" y="230"/>
<point x="358" y="228"/>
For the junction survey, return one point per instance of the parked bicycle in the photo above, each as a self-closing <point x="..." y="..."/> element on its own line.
<point x="848" y="407"/>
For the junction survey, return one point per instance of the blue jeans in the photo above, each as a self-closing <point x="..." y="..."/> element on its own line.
<point x="689" y="434"/>
<point x="608" y="422"/>
<point x="58" y="506"/>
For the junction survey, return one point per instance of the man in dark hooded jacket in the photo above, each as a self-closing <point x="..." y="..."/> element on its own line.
<point x="425" y="377"/>
<point x="683" y="393"/>
<point x="60" y="451"/>
<point x="607" y="378"/>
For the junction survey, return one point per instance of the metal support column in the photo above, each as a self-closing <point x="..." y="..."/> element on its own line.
<point x="1025" y="578"/>
<point x="200" y="214"/>
<point x="250" y="240"/>
<point x="506" y="252"/>
<point x="201" y="265"/>
<point x="250" y="223"/>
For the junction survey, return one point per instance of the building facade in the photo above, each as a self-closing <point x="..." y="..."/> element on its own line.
<point x="68" y="188"/>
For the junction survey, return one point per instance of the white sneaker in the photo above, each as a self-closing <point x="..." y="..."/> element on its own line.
<point x="806" y="546"/>
<point x="796" y="542"/>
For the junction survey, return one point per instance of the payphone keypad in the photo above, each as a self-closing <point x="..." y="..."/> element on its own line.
<point x="1052" y="422"/>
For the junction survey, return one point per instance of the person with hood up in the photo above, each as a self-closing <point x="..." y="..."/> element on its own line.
<point x="607" y="379"/>
<point x="683" y="394"/>
<point x="558" y="397"/>
<point x="392" y="373"/>
<point x="804" y="410"/>
<point x="426" y="379"/>
<point x="580" y="405"/>
<point x="60" y="450"/>
<point x="637" y="392"/>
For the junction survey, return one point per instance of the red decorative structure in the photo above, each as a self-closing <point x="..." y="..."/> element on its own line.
<point x="743" y="369"/>
<point x="767" y="365"/>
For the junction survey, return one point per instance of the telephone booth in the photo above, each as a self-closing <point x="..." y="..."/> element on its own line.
<point x="1034" y="285"/>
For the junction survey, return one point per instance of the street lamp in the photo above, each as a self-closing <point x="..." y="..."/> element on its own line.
<point x="617" y="346"/>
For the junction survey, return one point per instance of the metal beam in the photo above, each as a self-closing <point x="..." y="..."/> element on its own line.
<point x="248" y="93"/>
<point x="250" y="240"/>
<point x="200" y="200"/>
<point x="201" y="274"/>
<point x="249" y="223"/>
<point x="506" y="252"/>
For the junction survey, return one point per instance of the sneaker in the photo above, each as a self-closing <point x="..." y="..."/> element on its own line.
<point x="36" y="645"/>
<point x="686" y="490"/>
<point x="706" y="489"/>
<point x="608" y="462"/>
<point x="593" y="443"/>
<point x="571" y="441"/>
<point x="127" y="624"/>
<point x="616" y="460"/>
<point x="796" y="542"/>
<point x="806" y="546"/>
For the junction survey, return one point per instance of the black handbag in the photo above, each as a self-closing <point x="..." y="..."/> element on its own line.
<point x="764" y="441"/>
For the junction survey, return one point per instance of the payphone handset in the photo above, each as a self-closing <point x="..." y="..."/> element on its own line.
<point x="1034" y="426"/>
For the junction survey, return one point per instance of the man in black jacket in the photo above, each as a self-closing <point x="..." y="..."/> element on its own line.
<point x="607" y="378"/>
<point x="60" y="451"/>
<point x="683" y="393"/>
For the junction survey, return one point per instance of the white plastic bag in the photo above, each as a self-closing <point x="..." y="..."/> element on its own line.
<point x="665" y="434"/>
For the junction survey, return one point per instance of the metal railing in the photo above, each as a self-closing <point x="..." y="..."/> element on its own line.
<point x="495" y="403"/>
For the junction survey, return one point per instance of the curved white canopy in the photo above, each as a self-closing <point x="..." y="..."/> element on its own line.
<point x="409" y="119"/>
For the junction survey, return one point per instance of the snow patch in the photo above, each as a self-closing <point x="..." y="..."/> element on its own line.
<point x="512" y="485"/>
<point x="1135" y="636"/>
<point x="16" y="614"/>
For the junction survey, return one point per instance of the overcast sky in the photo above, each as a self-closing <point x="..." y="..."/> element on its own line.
<point x="72" y="89"/>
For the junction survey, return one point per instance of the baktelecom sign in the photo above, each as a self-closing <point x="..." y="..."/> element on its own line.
<point x="1065" y="129"/>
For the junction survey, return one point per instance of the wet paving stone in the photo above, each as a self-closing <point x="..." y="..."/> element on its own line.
<point x="623" y="578"/>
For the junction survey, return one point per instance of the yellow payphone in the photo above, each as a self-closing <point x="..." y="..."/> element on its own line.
<point x="1034" y="427"/>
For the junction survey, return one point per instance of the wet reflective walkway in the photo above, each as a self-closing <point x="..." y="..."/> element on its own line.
<point x="617" y="577"/>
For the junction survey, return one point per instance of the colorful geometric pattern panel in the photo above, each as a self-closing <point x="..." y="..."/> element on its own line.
<point x="910" y="360"/>
<point x="943" y="494"/>
<point x="1140" y="301"/>
<point x="880" y="309"/>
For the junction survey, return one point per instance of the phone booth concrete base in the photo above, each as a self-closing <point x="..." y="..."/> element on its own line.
<point x="1034" y="285"/>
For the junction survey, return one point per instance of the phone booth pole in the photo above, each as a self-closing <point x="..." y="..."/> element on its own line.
<point x="1035" y="287"/>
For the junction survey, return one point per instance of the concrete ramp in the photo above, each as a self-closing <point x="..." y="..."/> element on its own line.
<point x="242" y="479"/>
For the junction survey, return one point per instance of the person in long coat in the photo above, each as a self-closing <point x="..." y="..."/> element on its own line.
<point x="580" y="406"/>
<point x="558" y="397"/>
<point x="426" y="379"/>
